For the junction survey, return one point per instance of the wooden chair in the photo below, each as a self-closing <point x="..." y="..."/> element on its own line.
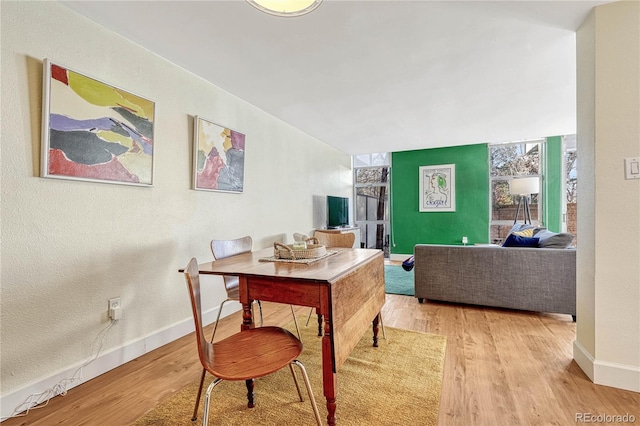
<point x="246" y="355"/>
<point x="222" y="249"/>
<point x="336" y="239"/>
<point x="297" y="236"/>
<point x="226" y="248"/>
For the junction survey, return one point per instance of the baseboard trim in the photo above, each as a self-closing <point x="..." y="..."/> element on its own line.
<point x="606" y="373"/>
<point x="103" y="363"/>
<point x="616" y="375"/>
<point x="583" y="358"/>
<point x="399" y="257"/>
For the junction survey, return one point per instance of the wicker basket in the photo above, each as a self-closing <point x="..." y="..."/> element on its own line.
<point x="313" y="250"/>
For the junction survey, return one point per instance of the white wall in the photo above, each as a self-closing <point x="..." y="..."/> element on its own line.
<point x="68" y="246"/>
<point x="607" y="343"/>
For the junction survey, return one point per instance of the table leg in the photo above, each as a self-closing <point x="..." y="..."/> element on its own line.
<point x="247" y="323"/>
<point x="247" y="304"/>
<point x="250" y="395"/>
<point x="329" y="378"/>
<point x="376" y="328"/>
<point x="247" y="317"/>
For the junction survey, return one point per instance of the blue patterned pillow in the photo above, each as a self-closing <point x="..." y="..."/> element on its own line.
<point x="514" y="240"/>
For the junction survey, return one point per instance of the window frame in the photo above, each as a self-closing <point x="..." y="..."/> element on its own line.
<point x="539" y="221"/>
<point x="375" y="161"/>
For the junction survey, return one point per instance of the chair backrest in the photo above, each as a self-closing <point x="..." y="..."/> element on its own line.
<point x="335" y="239"/>
<point x="192" y="276"/>
<point x="297" y="236"/>
<point x="227" y="248"/>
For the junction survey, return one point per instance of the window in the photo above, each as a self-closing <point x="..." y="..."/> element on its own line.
<point x="371" y="187"/>
<point x="507" y="162"/>
<point x="570" y="167"/>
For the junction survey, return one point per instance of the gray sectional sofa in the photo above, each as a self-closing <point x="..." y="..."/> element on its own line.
<point x="532" y="279"/>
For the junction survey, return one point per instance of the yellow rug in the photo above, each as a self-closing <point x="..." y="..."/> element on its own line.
<point x="397" y="383"/>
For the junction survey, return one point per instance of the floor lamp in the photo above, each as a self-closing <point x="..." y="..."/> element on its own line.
<point x="524" y="187"/>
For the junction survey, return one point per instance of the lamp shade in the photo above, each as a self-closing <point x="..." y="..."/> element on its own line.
<point x="524" y="186"/>
<point x="286" y="8"/>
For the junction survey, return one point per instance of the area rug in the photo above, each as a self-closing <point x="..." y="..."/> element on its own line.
<point x="397" y="383"/>
<point x="398" y="281"/>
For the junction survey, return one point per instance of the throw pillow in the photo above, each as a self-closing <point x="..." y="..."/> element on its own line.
<point x="519" y="227"/>
<point x="550" y="239"/>
<point x="514" y="240"/>
<point x="538" y="229"/>
<point x="525" y="233"/>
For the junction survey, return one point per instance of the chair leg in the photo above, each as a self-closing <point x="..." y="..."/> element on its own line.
<point x="295" y="380"/>
<point x="260" y="306"/>
<point x="205" y="415"/>
<point x="295" y="321"/>
<point x="309" y="317"/>
<point x="384" y="334"/>
<point x="204" y="372"/>
<point x="195" y="409"/>
<point x="215" y="327"/>
<point x="314" y="406"/>
<point x="249" y="383"/>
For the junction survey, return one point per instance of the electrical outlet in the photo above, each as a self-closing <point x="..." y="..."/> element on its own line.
<point x="115" y="308"/>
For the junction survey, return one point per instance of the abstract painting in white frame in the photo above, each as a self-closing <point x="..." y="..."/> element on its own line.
<point x="94" y="131"/>
<point x="218" y="157"/>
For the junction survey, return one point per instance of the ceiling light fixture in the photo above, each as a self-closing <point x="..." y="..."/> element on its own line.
<point x="286" y="8"/>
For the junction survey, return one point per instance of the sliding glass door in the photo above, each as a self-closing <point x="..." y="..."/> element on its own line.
<point x="371" y="188"/>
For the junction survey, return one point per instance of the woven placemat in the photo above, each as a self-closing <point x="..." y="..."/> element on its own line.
<point x="305" y="261"/>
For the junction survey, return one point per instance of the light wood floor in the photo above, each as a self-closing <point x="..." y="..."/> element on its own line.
<point x="502" y="368"/>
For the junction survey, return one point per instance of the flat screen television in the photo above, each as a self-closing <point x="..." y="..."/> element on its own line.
<point x="337" y="211"/>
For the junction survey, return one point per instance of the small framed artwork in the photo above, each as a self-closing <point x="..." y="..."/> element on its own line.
<point x="94" y="131"/>
<point x="438" y="188"/>
<point x="218" y="157"/>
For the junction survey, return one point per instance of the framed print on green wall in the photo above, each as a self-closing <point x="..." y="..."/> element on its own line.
<point x="438" y="188"/>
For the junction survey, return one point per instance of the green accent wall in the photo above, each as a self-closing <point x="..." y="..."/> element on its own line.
<point x="471" y="218"/>
<point x="554" y="198"/>
<point x="409" y="226"/>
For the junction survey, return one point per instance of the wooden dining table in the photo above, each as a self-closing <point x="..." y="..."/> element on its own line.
<point x="346" y="288"/>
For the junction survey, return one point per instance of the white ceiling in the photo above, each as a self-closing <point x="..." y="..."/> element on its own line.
<point x="377" y="76"/>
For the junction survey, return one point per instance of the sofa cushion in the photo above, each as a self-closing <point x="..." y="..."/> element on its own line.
<point x="515" y="240"/>
<point x="525" y="233"/>
<point x="549" y="239"/>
